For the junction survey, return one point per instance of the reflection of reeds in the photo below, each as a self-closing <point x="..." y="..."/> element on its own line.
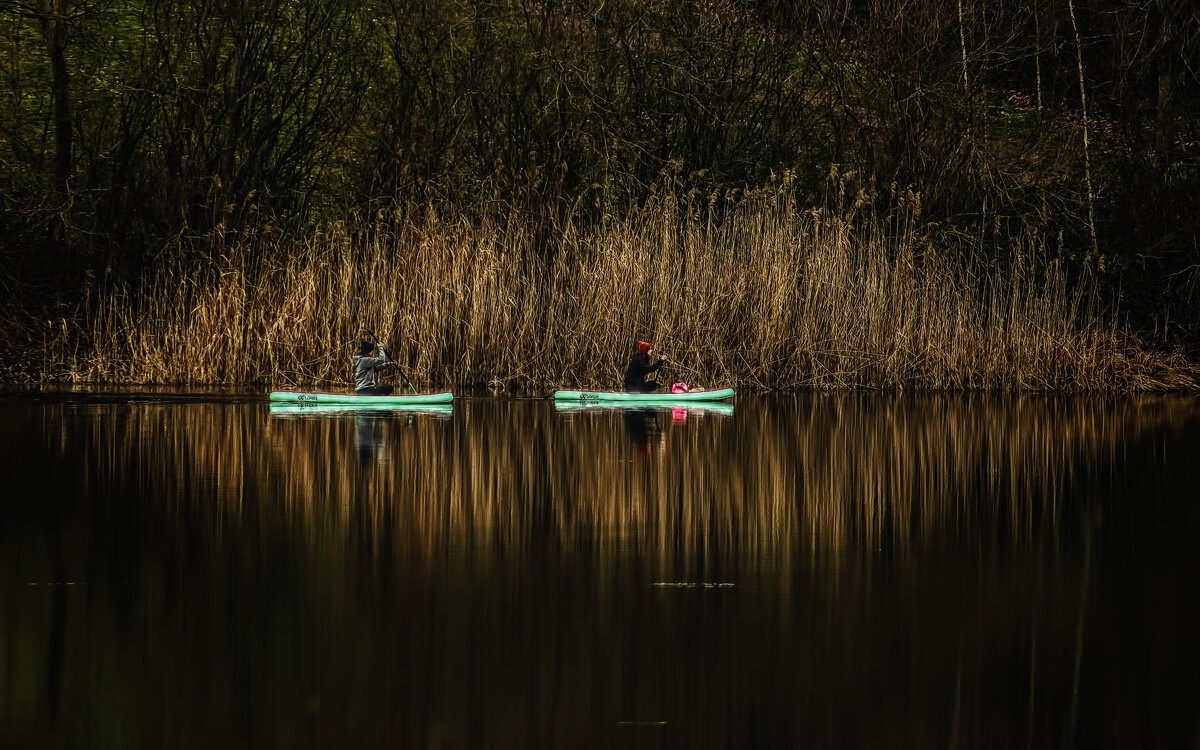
<point x="753" y="292"/>
<point x="822" y="474"/>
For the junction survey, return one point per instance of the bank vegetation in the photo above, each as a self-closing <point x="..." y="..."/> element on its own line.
<point x="204" y="160"/>
<point x="749" y="290"/>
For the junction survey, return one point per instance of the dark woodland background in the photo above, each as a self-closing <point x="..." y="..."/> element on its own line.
<point x="132" y="132"/>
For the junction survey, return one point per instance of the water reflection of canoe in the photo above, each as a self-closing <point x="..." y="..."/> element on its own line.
<point x="399" y="400"/>
<point x="307" y="409"/>
<point x="698" y="407"/>
<point x="622" y="397"/>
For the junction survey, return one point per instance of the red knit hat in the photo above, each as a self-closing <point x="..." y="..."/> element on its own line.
<point x="643" y="347"/>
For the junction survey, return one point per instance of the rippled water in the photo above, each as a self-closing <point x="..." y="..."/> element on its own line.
<point x="792" y="571"/>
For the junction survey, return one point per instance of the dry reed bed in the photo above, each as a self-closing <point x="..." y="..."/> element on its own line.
<point x="749" y="293"/>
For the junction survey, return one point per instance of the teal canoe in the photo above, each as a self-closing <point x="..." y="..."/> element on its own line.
<point x="699" y="407"/>
<point x="625" y="397"/>
<point x="396" y="400"/>
<point x="306" y="409"/>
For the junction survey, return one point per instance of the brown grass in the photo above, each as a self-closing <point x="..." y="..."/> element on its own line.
<point x="750" y="292"/>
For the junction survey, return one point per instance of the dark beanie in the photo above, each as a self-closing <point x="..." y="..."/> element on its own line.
<point x="365" y="348"/>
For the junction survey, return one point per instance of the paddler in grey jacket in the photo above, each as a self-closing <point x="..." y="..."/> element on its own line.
<point x="365" y="368"/>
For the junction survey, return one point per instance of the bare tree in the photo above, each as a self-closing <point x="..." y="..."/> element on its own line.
<point x="1087" y="159"/>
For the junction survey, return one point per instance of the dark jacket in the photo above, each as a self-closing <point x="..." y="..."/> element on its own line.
<point x="639" y="367"/>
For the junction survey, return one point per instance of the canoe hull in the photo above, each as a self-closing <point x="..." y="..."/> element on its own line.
<point x="626" y="397"/>
<point x="697" y="407"/>
<point x="303" y="409"/>
<point x="398" y="400"/>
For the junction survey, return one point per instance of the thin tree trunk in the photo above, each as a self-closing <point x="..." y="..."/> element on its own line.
<point x="52" y="16"/>
<point x="1037" y="54"/>
<point x="962" y="40"/>
<point x="1087" y="159"/>
<point x="966" y="81"/>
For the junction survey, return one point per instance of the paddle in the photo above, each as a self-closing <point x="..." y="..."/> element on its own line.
<point x="394" y="363"/>
<point x="406" y="380"/>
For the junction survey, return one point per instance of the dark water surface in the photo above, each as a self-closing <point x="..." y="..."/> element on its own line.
<point x="813" y="571"/>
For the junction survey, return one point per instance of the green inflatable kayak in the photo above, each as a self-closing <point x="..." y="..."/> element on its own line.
<point x="625" y="397"/>
<point x="305" y="409"/>
<point x="699" y="407"/>
<point x="397" y="400"/>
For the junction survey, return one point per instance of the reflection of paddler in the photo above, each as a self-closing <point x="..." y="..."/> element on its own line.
<point x="642" y="428"/>
<point x="368" y="438"/>
<point x="369" y="435"/>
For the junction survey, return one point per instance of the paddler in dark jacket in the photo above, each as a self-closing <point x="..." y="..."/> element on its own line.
<point x="365" y="368"/>
<point x="639" y="367"/>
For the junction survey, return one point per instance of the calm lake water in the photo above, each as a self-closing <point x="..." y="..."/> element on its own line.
<point x="199" y="570"/>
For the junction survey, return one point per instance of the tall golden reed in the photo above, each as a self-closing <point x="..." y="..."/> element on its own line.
<point x="747" y="292"/>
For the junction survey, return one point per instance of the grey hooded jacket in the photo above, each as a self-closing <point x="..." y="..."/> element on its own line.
<point x="366" y="367"/>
